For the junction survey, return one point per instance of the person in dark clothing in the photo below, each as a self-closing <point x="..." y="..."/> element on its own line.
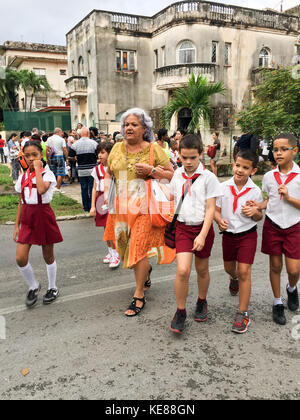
<point x="248" y="141"/>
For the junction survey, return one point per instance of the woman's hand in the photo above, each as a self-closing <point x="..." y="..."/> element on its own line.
<point x="143" y="169"/>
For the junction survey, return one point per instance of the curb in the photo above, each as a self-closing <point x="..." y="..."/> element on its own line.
<point x="62" y="218"/>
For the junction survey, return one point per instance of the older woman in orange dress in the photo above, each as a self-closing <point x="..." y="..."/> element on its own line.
<point x="130" y="227"/>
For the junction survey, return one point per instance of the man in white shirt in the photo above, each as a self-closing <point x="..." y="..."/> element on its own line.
<point x="57" y="154"/>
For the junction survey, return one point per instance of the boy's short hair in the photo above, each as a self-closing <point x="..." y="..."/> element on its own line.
<point x="105" y="145"/>
<point x="191" y="141"/>
<point x="290" y="137"/>
<point x="247" y="154"/>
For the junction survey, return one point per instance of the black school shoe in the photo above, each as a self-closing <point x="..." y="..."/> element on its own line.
<point x="177" y="324"/>
<point x="201" y="311"/>
<point x="278" y="315"/>
<point x="32" y="297"/>
<point x="293" y="300"/>
<point x="50" y="296"/>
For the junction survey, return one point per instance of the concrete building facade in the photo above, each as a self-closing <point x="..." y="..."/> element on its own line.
<point x="46" y="60"/>
<point x="117" y="61"/>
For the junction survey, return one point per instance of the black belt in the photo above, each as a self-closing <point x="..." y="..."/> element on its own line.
<point x="236" y="235"/>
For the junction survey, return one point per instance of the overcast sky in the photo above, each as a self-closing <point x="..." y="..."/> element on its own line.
<point x="49" y="21"/>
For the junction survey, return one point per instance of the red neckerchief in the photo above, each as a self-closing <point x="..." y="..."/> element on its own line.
<point x="102" y="171"/>
<point x="188" y="182"/>
<point x="279" y="180"/>
<point x="237" y="196"/>
<point x="28" y="180"/>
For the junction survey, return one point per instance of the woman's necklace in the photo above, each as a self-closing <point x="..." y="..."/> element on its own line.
<point x="131" y="165"/>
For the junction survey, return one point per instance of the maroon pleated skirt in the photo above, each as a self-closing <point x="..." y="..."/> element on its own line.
<point x="101" y="215"/>
<point x="38" y="225"/>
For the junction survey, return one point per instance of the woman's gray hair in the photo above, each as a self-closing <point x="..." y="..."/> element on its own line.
<point x="144" y="119"/>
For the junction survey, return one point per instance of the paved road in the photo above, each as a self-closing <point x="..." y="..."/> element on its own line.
<point x="82" y="347"/>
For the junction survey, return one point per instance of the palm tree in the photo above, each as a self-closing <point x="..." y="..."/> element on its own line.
<point x="31" y="84"/>
<point x="38" y="84"/>
<point x="195" y="96"/>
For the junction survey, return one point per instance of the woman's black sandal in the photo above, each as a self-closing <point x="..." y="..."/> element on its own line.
<point x="135" y="308"/>
<point x="147" y="283"/>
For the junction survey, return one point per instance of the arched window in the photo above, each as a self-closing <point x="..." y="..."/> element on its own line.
<point x="186" y="53"/>
<point x="83" y="120"/>
<point x="265" y="57"/>
<point x="80" y="66"/>
<point x="92" y="119"/>
<point x="184" y="118"/>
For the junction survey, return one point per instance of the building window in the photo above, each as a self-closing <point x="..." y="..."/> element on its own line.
<point x="89" y="62"/>
<point x="227" y="58"/>
<point x="156" y="59"/>
<point x="80" y="66"/>
<point x="41" y="101"/>
<point x="186" y="53"/>
<point x="40" y="72"/>
<point x="163" y="56"/>
<point x="264" y="58"/>
<point x="125" y="60"/>
<point x="298" y="49"/>
<point x="214" y="52"/>
<point x="63" y="72"/>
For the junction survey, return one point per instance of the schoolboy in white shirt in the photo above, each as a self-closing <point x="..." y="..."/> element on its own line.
<point x="281" y="233"/>
<point x="194" y="230"/>
<point x="238" y="223"/>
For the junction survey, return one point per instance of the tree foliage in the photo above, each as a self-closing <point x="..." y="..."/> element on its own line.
<point x="25" y="79"/>
<point x="196" y="96"/>
<point x="276" y="107"/>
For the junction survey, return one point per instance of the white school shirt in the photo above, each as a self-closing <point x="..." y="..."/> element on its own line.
<point x="174" y="155"/>
<point x="206" y="186"/>
<point x="237" y="221"/>
<point x="278" y="210"/>
<point x="99" y="184"/>
<point x="47" y="197"/>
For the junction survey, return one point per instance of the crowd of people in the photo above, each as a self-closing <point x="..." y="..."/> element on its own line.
<point x="120" y="176"/>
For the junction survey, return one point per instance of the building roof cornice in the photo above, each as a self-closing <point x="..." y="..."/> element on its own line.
<point x="28" y="46"/>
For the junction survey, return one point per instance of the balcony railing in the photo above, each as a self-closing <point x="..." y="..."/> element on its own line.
<point x="177" y="75"/>
<point x="77" y="87"/>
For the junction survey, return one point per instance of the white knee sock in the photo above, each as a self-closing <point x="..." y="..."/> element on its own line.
<point x="51" y="272"/>
<point x="28" y="274"/>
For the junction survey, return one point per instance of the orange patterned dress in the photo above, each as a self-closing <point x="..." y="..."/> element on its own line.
<point x="130" y="227"/>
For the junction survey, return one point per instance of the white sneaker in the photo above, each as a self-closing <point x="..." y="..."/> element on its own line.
<point x="107" y="259"/>
<point x="115" y="262"/>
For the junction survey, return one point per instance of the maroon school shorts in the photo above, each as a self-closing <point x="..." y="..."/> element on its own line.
<point x="185" y="237"/>
<point x="277" y="241"/>
<point x="240" y="248"/>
